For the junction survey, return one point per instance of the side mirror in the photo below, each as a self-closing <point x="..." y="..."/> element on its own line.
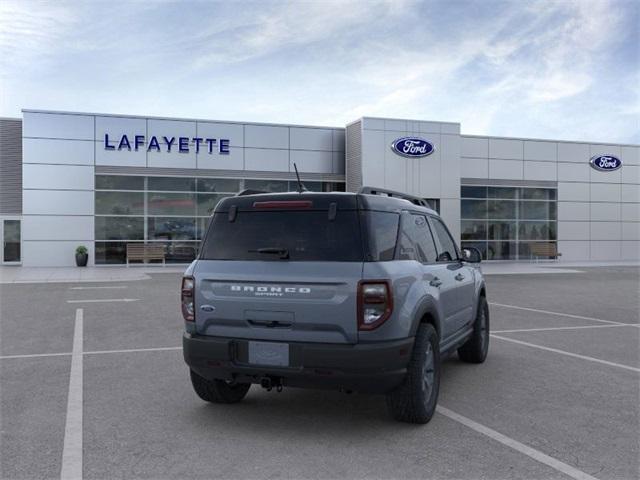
<point x="471" y="255"/>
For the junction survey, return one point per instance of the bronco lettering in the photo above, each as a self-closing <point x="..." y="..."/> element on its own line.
<point x="269" y="289"/>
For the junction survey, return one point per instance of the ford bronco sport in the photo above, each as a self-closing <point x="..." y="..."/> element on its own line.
<point x="360" y="292"/>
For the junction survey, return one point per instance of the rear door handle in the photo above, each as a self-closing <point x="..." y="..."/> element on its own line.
<point x="436" y="282"/>
<point x="459" y="277"/>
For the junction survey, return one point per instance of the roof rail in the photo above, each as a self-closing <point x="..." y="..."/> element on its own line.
<point x="390" y="193"/>
<point x="249" y="191"/>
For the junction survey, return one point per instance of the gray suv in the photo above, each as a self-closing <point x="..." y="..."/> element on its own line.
<point x="358" y="292"/>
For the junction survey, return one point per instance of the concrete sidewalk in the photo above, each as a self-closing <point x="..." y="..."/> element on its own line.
<point x="528" y="268"/>
<point x="11" y="274"/>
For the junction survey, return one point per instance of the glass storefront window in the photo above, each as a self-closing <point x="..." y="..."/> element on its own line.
<point x="473" y="230"/>
<point x="537" y="231"/>
<point x="180" y="252"/>
<point x="537" y="210"/>
<point x="119" y="228"/>
<point x="171" y="228"/>
<point x="516" y="216"/>
<point x="476" y="209"/>
<point x="501" y="192"/>
<point x="201" y="227"/>
<point x="267" y="185"/>
<point x="473" y="192"/>
<point x="171" y="184"/>
<point x="217" y="185"/>
<point x="501" y="250"/>
<point x="119" y="182"/>
<point x="538" y="194"/>
<point x="525" y="250"/>
<point x="207" y="203"/>
<point x="108" y="253"/>
<point x="501" y="209"/>
<point x="119" y="203"/>
<point x="161" y="203"/>
<point x="175" y="210"/>
<point x="502" y="230"/>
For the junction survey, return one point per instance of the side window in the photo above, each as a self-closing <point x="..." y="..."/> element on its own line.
<point x="426" y="241"/>
<point x="447" y="251"/>
<point x="416" y="242"/>
<point x="383" y="231"/>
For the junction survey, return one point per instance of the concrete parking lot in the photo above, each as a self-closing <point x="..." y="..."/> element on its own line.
<point x="93" y="384"/>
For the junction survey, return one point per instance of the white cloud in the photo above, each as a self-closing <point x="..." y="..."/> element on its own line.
<point x="518" y="68"/>
<point x="28" y="28"/>
<point x="255" y="34"/>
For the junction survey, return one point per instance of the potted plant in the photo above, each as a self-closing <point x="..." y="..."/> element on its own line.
<point x="82" y="256"/>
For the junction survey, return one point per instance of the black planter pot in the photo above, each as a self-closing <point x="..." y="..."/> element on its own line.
<point x="81" y="259"/>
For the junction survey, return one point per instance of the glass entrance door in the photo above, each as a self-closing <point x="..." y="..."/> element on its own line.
<point x="11" y="241"/>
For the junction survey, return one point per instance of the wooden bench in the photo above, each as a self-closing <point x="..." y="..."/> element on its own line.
<point x="144" y="252"/>
<point x="546" y="250"/>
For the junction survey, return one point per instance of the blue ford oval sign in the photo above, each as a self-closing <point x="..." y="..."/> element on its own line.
<point x="412" y="147"/>
<point x="605" y="163"/>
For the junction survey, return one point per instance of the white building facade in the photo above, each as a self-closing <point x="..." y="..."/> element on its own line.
<point x="105" y="181"/>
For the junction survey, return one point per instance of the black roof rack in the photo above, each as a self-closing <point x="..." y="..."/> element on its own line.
<point x="390" y="193"/>
<point x="249" y="191"/>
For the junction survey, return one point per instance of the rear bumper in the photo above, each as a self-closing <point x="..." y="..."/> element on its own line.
<point x="373" y="367"/>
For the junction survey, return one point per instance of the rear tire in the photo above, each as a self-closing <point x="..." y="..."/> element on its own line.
<point x="415" y="400"/>
<point x="218" y="391"/>
<point x="476" y="348"/>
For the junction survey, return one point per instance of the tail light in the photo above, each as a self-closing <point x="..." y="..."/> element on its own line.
<point x="375" y="303"/>
<point x="186" y="299"/>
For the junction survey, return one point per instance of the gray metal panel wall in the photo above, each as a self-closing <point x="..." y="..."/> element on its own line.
<point x="191" y="172"/>
<point x="509" y="183"/>
<point x="353" y="164"/>
<point x="10" y="166"/>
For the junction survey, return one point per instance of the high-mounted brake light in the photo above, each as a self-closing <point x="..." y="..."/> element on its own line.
<point x="186" y="299"/>
<point x="284" y="204"/>
<point x="375" y="303"/>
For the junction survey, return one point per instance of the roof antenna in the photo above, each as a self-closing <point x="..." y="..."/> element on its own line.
<point x="301" y="187"/>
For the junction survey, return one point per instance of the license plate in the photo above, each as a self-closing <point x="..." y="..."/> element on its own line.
<point x="269" y="353"/>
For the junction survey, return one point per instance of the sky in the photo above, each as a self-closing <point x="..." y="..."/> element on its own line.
<point x="536" y="69"/>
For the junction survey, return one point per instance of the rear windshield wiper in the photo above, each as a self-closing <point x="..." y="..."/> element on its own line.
<point x="283" y="252"/>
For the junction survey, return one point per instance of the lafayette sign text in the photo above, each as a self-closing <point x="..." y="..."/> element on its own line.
<point x="158" y="144"/>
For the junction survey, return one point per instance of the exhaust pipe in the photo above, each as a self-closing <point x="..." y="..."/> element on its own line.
<point x="265" y="382"/>
<point x="268" y="383"/>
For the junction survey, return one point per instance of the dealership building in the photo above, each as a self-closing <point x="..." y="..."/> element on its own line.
<point x="110" y="181"/>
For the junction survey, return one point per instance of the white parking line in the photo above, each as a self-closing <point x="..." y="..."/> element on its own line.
<point x="515" y="445"/>
<point x="133" y="350"/>
<point x="72" y="446"/>
<point x="564" y="328"/>
<point x="569" y="354"/>
<point x="100" y="300"/>
<point x="35" y="355"/>
<point x="560" y="314"/>
<point x="98" y="288"/>
<point x="91" y="352"/>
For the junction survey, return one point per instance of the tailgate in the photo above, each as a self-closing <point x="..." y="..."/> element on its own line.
<point x="280" y="301"/>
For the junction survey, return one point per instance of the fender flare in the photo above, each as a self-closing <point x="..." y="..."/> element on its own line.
<point x="426" y="307"/>
<point x="480" y="289"/>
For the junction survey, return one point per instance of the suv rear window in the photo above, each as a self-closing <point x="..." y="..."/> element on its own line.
<point x="284" y="235"/>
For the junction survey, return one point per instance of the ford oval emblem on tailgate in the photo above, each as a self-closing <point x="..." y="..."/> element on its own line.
<point x="412" y="147"/>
